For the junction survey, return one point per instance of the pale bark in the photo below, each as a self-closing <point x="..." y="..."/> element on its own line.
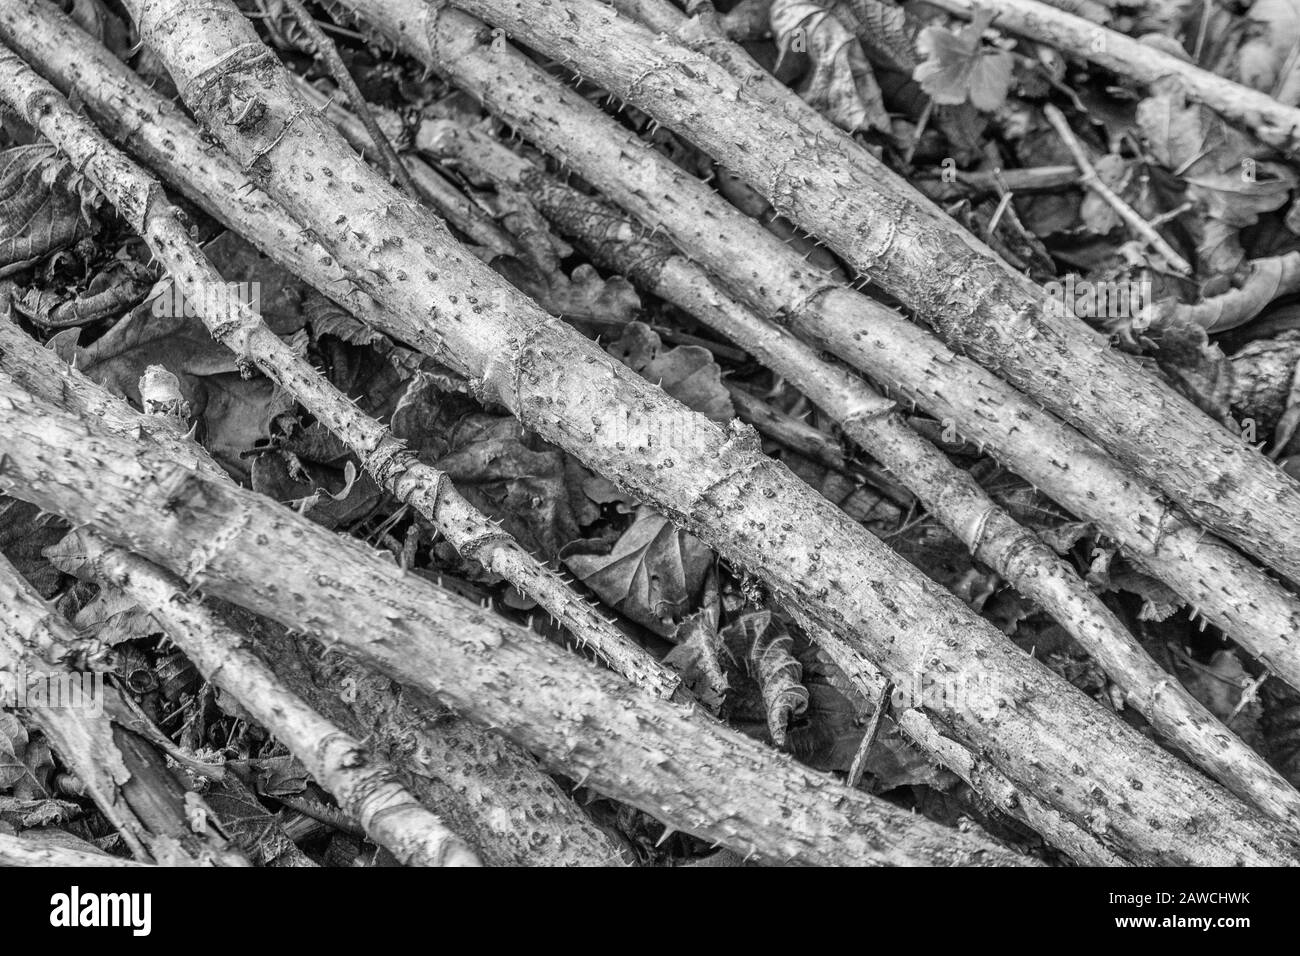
<point x="482" y="784"/>
<point x="1082" y="847"/>
<point x="126" y="777"/>
<point x="1219" y="583"/>
<point x="392" y="725"/>
<point x="711" y="480"/>
<point x="948" y="492"/>
<point x="142" y="203"/>
<point x="490" y="790"/>
<point x="162" y="135"/>
<point x="325" y="50"/>
<point x="1224" y="588"/>
<point x="42" y="373"/>
<point x="450" y="203"/>
<point x="367" y="789"/>
<point x="1272" y="121"/>
<point x="18" y="851"/>
<point x="888" y="231"/>
<point x="696" y="776"/>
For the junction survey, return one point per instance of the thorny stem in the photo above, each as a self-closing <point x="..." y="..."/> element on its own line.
<point x="429" y="490"/>
<point x="950" y="493"/>
<point x="838" y="191"/>
<point x="566" y="389"/>
<point x="328" y="52"/>
<point x="1235" y="595"/>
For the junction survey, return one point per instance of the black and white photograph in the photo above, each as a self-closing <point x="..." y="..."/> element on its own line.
<point x="649" y="434"/>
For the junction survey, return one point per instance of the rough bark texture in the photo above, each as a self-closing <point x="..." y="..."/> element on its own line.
<point x="43" y="374"/>
<point x="325" y="50"/>
<point x="1082" y="846"/>
<point x="695" y="776"/>
<point x="489" y="789"/>
<point x="451" y="204"/>
<point x="481" y="783"/>
<point x="775" y="281"/>
<point x="126" y="777"/>
<point x="159" y="131"/>
<point x="366" y="788"/>
<point x="1275" y="123"/>
<point x="20" y="851"/>
<point x="1222" y="586"/>
<point x="950" y="493"/>
<point x="890" y="232"/>
<point x="711" y="480"/>
<point x="432" y="750"/>
<point x="142" y="203"/>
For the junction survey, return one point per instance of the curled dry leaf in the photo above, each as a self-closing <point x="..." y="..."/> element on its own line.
<point x="831" y="732"/>
<point x="1269" y="278"/>
<point x="330" y="489"/>
<point x="779" y="674"/>
<point x="1201" y="372"/>
<point x="1196" y="366"/>
<point x="840" y="83"/>
<point x="701" y="658"/>
<point x="1238" y="195"/>
<point x="37" y="812"/>
<point x="234" y="413"/>
<point x="112" y="617"/>
<point x="884" y="29"/>
<point x="113" y="290"/>
<point x="1159" y="602"/>
<point x="515" y="478"/>
<point x="255" y="829"/>
<point x="530" y="486"/>
<point x="1263" y="373"/>
<point x="45" y="205"/>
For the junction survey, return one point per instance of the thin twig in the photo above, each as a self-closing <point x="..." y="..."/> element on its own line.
<point x="1092" y="180"/>
<point x="326" y="50"/>
<point x="869" y="738"/>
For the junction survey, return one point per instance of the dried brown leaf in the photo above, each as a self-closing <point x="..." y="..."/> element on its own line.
<point x="840" y="83"/>
<point x="779" y="674"/>
<point x="701" y="658"/>
<point x="25" y="761"/>
<point x="653" y="573"/>
<point x="688" y="372"/>
<point x="45" y="205"/>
